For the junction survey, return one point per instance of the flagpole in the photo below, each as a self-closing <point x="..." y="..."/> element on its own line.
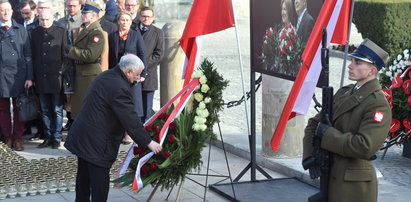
<point x="241" y="67"/>
<point x="347" y="43"/>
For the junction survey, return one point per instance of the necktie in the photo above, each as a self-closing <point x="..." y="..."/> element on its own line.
<point x="71" y="19"/>
<point x="144" y="28"/>
<point x="5" y="27"/>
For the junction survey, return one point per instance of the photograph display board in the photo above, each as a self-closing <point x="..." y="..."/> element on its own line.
<point x="279" y="35"/>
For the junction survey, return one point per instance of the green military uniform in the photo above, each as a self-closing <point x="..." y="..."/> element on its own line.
<point x="361" y="120"/>
<point x="87" y="49"/>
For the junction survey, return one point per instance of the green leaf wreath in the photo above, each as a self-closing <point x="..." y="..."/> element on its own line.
<point x="186" y="135"/>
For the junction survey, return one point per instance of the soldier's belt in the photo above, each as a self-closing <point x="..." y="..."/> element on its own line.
<point x="78" y="62"/>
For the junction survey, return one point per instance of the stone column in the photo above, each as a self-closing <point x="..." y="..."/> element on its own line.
<point x="275" y="94"/>
<point x="172" y="64"/>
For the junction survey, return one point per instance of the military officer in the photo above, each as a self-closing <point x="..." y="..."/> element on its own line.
<point x="361" y="120"/>
<point x="86" y="52"/>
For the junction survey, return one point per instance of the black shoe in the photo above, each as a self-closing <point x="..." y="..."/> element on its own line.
<point x="55" y="145"/>
<point x="45" y="144"/>
<point x="68" y="125"/>
<point x="35" y="137"/>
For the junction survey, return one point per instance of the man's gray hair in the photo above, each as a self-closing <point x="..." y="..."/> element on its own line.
<point x="130" y="61"/>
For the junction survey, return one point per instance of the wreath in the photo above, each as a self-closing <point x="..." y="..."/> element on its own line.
<point x="396" y="80"/>
<point x="186" y="136"/>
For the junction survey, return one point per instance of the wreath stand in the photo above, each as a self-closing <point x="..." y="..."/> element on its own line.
<point x="206" y="175"/>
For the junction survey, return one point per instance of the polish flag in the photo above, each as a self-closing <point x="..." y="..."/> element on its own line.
<point x="334" y="15"/>
<point x="206" y="16"/>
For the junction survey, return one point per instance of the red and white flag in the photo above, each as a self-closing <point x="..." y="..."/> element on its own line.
<point x="335" y="15"/>
<point x="206" y="16"/>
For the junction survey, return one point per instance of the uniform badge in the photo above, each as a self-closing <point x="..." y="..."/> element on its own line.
<point x="378" y="116"/>
<point x="96" y="39"/>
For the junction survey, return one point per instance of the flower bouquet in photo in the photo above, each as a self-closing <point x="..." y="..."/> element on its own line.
<point x="281" y="50"/>
<point x="182" y="130"/>
<point x="396" y="80"/>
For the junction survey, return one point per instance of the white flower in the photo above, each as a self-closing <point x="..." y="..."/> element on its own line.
<point x="199" y="120"/>
<point x="202" y="127"/>
<point x="406" y="52"/>
<point x="198" y="97"/>
<point x="203" y="79"/>
<point x="399" y="57"/>
<point x="207" y="100"/>
<point x="196" y="127"/>
<point x="389" y="74"/>
<point x="197" y="74"/>
<point x="204" y="88"/>
<point x="395" y="62"/>
<point x="189" y="105"/>
<point x="202" y="105"/>
<point x="202" y="113"/>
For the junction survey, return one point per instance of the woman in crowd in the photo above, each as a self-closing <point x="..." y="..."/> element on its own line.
<point x="126" y="40"/>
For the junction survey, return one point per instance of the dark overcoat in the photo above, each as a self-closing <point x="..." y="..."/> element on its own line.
<point x="361" y="121"/>
<point x="135" y="45"/>
<point x="154" y="42"/>
<point x="305" y="27"/>
<point x="86" y="52"/>
<point x="15" y="60"/>
<point x="107" y="113"/>
<point x="48" y="53"/>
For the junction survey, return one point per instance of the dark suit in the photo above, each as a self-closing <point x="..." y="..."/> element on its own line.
<point x="305" y="27"/>
<point x="96" y="134"/>
<point x="154" y="42"/>
<point x="135" y="45"/>
<point x="361" y="121"/>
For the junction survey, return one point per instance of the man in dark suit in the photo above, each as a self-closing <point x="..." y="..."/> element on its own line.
<point x="96" y="134"/>
<point x="360" y="123"/>
<point x="154" y="41"/>
<point x="47" y="43"/>
<point x="132" y="7"/>
<point x="305" y="22"/>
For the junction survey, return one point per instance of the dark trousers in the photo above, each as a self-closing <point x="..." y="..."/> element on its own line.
<point x="91" y="179"/>
<point x="148" y="97"/>
<point x="52" y="115"/>
<point x="15" y="130"/>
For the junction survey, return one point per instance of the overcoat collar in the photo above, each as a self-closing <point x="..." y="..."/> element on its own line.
<point x="87" y="30"/>
<point x="352" y="100"/>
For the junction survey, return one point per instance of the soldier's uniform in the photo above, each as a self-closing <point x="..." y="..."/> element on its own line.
<point x="86" y="52"/>
<point x="361" y="120"/>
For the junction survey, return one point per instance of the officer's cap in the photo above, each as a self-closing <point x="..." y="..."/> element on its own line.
<point x="91" y="7"/>
<point x="370" y="52"/>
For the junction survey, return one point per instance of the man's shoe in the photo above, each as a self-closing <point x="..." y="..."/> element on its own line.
<point x="45" y="144"/>
<point x="9" y="143"/>
<point x="35" y="137"/>
<point x="68" y="125"/>
<point x="55" y="145"/>
<point x="18" y="145"/>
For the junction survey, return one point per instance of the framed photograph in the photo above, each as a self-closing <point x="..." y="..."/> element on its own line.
<point x="279" y="32"/>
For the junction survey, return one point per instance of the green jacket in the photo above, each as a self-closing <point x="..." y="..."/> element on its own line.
<point x="361" y="121"/>
<point x="86" y="52"/>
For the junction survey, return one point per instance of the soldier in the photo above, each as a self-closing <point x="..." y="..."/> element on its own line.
<point x="86" y="51"/>
<point x="154" y="41"/>
<point x="48" y="42"/>
<point x="71" y="21"/>
<point x="361" y="120"/>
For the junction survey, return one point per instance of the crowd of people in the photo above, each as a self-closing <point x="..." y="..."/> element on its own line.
<point x="93" y="35"/>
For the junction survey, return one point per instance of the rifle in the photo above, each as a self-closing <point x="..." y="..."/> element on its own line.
<point x="68" y="71"/>
<point x="322" y="159"/>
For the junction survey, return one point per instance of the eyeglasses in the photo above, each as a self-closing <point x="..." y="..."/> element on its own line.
<point x="131" y="5"/>
<point x="145" y="16"/>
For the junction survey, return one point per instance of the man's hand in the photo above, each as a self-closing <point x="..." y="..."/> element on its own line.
<point x="321" y="128"/>
<point x="28" y="83"/>
<point x="154" y="147"/>
<point x="67" y="48"/>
